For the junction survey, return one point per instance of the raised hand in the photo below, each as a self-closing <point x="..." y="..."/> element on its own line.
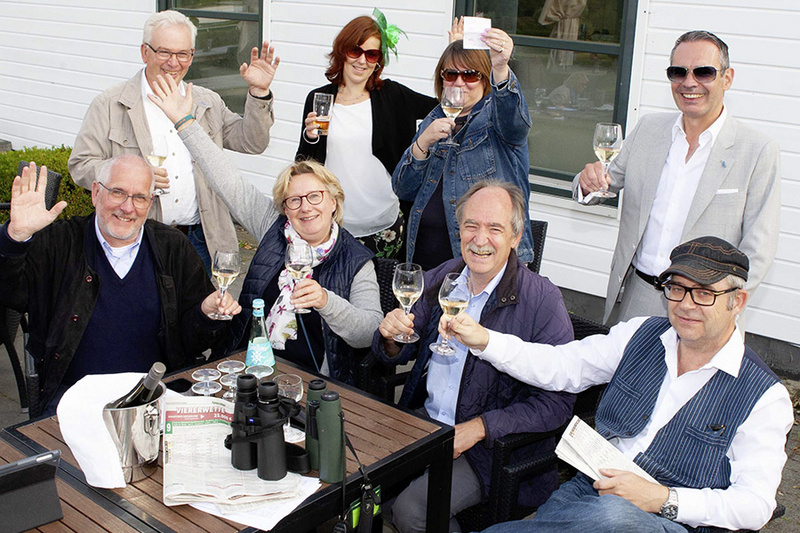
<point x="29" y="213"/>
<point x="456" y="31"/>
<point x="592" y="178"/>
<point x="500" y="48"/>
<point x="259" y="74"/>
<point x="169" y="99"/>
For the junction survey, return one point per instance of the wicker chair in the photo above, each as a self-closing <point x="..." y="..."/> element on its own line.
<point x="539" y="232"/>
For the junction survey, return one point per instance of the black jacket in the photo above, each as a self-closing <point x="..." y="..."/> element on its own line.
<point x="50" y="278"/>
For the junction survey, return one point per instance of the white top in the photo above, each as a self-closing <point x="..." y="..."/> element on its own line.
<point x="676" y="189"/>
<point x="179" y="205"/>
<point x="370" y="202"/>
<point x="120" y="258"/>
<point x="756" y="453"/>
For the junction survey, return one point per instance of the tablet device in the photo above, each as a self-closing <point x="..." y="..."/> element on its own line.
<point x="28" y="495"/>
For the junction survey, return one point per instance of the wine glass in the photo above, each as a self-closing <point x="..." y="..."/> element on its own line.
<point x="291" y="386"/>
<point x="206" y="381"/>
<point x="157" y="157"/>
<point x="407" y="286"/>
<point x="299" y="258"/>
<point x="225" y="269"/>
<point x="607" y="145"/>
<point x="260" y="371"/>
<point x="454" y="296"/>
<point x="231" y="368"/>
<point x="453" y="98"/>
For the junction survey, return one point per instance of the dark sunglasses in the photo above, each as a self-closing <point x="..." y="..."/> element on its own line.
<point x="701" y="74"/>
<point x="373" y="55"/>
<point x="469" y="76"/>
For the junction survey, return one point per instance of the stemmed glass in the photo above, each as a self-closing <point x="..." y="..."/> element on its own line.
<point x="291" y="386"/>
<point x="225" y="269"/>
<point x="157" y="158"/>
<point x="206" y="381"/>
<point x="607" y="145"/>
<point x="453" y="98"/>
<point x="407" y="286"/>
<point x="260" y="371"/>
<point x="231" y="368"/>
<point x="299" y="258"/>
<point x="454" y="296"/>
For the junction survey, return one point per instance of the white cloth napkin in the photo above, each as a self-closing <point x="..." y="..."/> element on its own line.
<point x="80" y="415"/>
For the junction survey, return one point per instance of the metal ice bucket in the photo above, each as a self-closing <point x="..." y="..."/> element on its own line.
<point x="136" y="432"/>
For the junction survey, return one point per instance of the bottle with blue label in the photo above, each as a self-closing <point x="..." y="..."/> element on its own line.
<point x="259" y="350"/>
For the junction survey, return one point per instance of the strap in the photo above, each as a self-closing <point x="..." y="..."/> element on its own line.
<point x="369" y="498"/>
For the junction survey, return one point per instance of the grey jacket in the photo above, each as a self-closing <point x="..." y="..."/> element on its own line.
<point x="116" y="124"/>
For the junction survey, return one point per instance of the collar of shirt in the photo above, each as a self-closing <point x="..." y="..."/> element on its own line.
<point x="707" y="137"/>
<point x="120" y="258"/>
<point x="728" y="358"/>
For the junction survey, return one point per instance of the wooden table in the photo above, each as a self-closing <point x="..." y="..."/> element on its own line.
<point x="394" y="445"/>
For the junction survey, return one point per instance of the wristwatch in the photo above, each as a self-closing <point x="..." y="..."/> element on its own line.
<point x="669" y="509"/>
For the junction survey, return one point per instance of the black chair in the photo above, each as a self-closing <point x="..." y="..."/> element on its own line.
<point x="539" y="232"/>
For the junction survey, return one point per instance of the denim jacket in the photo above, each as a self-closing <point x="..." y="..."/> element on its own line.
<point x="492" y="144"/>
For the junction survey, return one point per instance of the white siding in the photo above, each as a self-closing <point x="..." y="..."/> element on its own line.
<point x="764" y="46"/>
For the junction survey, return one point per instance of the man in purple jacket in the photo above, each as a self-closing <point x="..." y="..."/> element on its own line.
<point x="481" y="402"/>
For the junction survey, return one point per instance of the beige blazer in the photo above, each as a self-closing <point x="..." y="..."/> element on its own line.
<point x="115" y="124"/>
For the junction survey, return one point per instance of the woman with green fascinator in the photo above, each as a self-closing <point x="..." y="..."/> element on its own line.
<point x="372" y="122"/>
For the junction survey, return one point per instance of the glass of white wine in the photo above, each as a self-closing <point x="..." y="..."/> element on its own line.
<point x="407" y="286"/>
<point x="299" y="259"/>
<point x="607" y="146"/>
<point x="157" y="157"/>
<point x="452" y="104"/>
<point x="454" y="296"/>
<point x="291" y="386"/>
<point x="226" y="268"/>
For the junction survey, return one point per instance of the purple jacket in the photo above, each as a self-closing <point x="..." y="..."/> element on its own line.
<point x="523" y="304"/>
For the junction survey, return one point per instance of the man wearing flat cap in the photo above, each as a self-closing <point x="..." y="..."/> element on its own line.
<point x="686" y="400"/>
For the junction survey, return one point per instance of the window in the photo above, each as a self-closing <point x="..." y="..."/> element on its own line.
<point x="572" y="58"/>
<point x="226" y="32"/>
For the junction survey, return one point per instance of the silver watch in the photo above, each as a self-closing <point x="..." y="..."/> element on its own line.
<point x="669" y="509"/>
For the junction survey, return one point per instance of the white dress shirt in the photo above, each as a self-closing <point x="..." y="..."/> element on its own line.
<point x="120" y="258"/>
<point x="756" y="452"/>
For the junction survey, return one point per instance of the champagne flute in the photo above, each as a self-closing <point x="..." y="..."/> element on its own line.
<point x="607" y="145"/>
<point x="299" y="258"/>
<point x="291" y="386"/>
<point x="225" y="269"/>
<point x="157" y="157"/>
<point x="454" y="296"/>
<point x="407" y="286"/>
<point x="452" y="104"/>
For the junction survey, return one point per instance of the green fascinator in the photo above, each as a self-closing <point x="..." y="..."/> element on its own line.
<point x="390" y="34"/>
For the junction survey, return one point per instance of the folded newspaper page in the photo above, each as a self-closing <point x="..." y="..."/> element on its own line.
<point x="585" y="449"/>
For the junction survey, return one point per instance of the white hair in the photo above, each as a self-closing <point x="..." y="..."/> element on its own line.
<point x="167" y="18"/>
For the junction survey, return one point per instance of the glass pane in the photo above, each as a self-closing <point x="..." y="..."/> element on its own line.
<point x="223" y="45"/>
<point x="565" y="103"/>
<point x="226" y="6"/>
<point x="569" y="20"/>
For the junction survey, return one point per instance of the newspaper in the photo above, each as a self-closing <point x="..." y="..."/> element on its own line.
<point x="197" y="466"/>
<point x="584" y="448"/>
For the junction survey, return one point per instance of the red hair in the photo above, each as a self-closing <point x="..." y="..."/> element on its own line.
<point x="353" y="34"/>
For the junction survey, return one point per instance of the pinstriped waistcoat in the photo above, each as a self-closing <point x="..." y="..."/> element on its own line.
<point x="689" y="451"/>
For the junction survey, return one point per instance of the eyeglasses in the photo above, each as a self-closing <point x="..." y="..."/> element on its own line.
<point x="469" y="76"/>
<point x="705" y="74"/>
<point x="183" y="56"/>
<point x="373" y="55"/>
<point x="294" y="202"/>
<point x="119" y="197"/>
<point x="700" y="296"/>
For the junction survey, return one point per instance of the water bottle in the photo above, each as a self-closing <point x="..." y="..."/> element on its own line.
<point x="331" y="443"/>
<point x="316" y="387"/>
<point x="259" y="350"/>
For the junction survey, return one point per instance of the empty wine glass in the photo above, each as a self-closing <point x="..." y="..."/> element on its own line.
<point x="291" y="386"/>
<point x="407" y="286"/>
<point x="454" y="296"/>
<point x="231" y="368"/>
<point x="453" y="98"/>
<point x="299" y="258"/>
<point x="226" y="268"/>
<point x="206" y="384"/>
<point x="607" y="146"/>
<point x="260" y="371"/>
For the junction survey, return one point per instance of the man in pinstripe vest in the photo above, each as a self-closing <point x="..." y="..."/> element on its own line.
<point x="686" y="400"/>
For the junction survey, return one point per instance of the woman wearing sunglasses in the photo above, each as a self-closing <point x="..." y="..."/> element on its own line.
<point x="491" y="133"/>
<point x="373" y="121"/>
<point x="307" y="203"/>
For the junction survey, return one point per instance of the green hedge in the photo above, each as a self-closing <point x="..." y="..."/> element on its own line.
<point x="79" y="200"/>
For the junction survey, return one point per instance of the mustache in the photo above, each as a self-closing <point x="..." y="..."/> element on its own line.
<point x="488" y="249"/>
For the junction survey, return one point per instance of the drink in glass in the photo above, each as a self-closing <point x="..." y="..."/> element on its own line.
<point x="299" y="260"/>
<point x="607" y="146"/>
<point x="454" y="296"/>
<point x="323" y="103"/>
<point x="225" y="269"/>
<point x="452" y="104"/>
<point x="407" y="286"/>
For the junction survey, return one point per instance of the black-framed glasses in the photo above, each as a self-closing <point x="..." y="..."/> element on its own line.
<point x="675" y="292"/>
<point x="119" y="197"/>
<point x="183" y="56"/>
<point x="705" y="74"/>
<point x="373" y="55"/>
<point x="294" y="202"/>
<point x="450" y="75"/>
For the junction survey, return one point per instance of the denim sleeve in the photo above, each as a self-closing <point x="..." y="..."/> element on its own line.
<point x="512" y="120"/>
<point x="410" y="172"/>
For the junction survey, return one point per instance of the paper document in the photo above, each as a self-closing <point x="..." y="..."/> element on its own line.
<point x="473" y="30"/>
<point x="585" y="449"/>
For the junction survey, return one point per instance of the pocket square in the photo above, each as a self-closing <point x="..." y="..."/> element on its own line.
<point x="727" y="191"/>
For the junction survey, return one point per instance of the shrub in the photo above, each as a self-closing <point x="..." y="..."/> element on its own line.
<point x="79" y="200"/>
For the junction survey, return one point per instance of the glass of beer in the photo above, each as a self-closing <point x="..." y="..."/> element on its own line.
<point x="323" y="103"/>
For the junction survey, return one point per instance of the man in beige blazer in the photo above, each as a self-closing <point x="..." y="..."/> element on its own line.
<point x="123" y="120"/>
<point x="697" y="173"/>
